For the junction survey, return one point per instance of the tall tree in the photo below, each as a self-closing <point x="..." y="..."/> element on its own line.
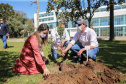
<point x="19" y="22"/>
<point x="6" y="10"/>
<point x="29" y="27"/>
<point x="111" y="20"/>
<point x="110" y="5"/>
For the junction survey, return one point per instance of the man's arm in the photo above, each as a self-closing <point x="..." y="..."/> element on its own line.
<point x="67" y="48"/>
<point x="66" y="39"/>
<point x="83" y="49"/>
<point x="62" y="43"/>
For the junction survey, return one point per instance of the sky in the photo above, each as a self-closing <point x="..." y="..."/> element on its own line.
<point x="26" y="7"/>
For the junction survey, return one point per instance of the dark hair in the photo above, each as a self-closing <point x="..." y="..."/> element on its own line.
<point x="43" y="27"/>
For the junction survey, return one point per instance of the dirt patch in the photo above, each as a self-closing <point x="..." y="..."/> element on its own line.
<point x="87" y="73"/>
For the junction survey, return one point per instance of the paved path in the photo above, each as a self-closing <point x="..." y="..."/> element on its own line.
<point x="116" y="38"/>
<point x="15" y="40"/>
<point x="99" y="38"/>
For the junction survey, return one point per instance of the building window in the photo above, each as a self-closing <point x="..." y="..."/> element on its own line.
<point x="97" y="10"/>
<point x="51" y="18"/>
<point x="66" y="24"/>
<point x="50" y="26"/>
<point x="104" y="31"/>
<point x="123" y="6"/>
<point x="73" y="24"/>
<point x="51" y="13"/>
<point x="104" y="21"/>
<point x="39" y="15"/>
<point x="117" y="7"/>
<point x="40" y="20"/>
<point x="103" y="9"/>
<point x="125" y="19"/>
<point x="48" y="19"/>
<point x="118" y="20"/>
<point x="95" y="21"/>
<point x="118" y="31"/>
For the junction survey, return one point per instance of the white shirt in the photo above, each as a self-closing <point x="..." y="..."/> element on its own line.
<point x="88" y="37"/>
<point x="55" y="37"/>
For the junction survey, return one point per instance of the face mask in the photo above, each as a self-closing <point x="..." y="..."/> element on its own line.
<point x="1" y="21"/>
<point x="43" y="35"/>
<point x="80" y="29"/>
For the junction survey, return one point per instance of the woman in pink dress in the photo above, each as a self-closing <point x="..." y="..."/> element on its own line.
<point x="30" y="61"/>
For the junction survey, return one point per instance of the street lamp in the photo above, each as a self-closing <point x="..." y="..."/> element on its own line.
<point x="23" y="34"/>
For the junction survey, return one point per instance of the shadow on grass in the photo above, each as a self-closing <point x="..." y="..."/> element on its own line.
<point x="10" y="46"/>
<point x="113" y="54"/>
<point x="7" y="62"/>
<point x="55" y="61"/>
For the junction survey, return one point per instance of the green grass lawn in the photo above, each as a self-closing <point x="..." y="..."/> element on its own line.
<point x="113" y="53"/>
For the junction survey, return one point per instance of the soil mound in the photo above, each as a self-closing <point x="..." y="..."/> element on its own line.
<point x="87" y="73"/>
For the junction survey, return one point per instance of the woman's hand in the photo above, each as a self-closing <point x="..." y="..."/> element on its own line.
<point x="46" y="72"/>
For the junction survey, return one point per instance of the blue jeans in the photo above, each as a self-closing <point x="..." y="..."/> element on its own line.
<point x="54" y="51"/>
<point x="91" y="53"/>
<point x="4" y="39"/>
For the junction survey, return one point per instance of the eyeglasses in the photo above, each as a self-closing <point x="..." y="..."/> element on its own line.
<point x="79" y="24"/>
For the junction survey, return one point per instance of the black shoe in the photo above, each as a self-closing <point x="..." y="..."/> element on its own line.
<point x="76" y="59"/>
<point x="46" y="62"/>
<point x="92" y="59"/>
<point x="83" y="58"/>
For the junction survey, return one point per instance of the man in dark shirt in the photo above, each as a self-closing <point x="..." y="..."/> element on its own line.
<point x="4" y="32"/>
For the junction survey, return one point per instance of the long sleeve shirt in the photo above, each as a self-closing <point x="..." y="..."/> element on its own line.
<point x="88" y="37"/>
<point x="55" y="37"/>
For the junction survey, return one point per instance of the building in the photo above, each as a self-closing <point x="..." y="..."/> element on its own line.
<point x="100" y="21"/>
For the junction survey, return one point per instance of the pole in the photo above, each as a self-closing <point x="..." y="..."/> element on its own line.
<point x="23" y="35"/>
<point x="37" y="12"/>
<point x="87" y="48"/>
<point x="87" y="54"/>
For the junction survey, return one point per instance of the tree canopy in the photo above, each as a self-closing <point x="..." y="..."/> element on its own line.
<point x="6" y="10"/>
<point x="19" y="22"/>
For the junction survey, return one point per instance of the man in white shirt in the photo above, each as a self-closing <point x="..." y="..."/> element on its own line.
<point x="58" y="40"/>
<point x="87" y="37"/>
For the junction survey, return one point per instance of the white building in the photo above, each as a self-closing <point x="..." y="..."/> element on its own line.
<point x="100" y="21"/>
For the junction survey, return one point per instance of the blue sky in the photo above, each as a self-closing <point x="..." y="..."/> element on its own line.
<point x="25" y="6"/>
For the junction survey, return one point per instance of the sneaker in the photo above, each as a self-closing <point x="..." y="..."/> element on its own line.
<point x="3" y="48"/>
<point x="65" y="59"/>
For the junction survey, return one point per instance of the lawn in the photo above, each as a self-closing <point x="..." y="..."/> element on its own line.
<point x="112" y="53"/>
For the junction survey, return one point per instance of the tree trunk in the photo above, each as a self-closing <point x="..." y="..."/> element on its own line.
<point x="111" y="20"/>
<point x="89" y="23"/>
<point x="56" y="18"/>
